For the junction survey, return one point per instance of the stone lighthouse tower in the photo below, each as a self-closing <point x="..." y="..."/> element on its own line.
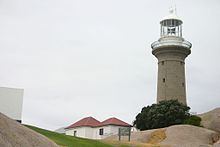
<point x="171" y="50"/>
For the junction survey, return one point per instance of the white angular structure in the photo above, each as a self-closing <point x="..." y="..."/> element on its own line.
<point x="91" y="128"/>
<point x="171" y="50"/>
<point x="11" y="100"/>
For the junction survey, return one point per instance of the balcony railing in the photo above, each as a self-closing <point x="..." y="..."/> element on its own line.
<point x="171" y="42"/>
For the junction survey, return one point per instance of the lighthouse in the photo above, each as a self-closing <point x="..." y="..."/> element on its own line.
<point x="171" y="50"/>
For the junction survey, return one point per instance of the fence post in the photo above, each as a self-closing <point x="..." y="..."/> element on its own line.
<point x="129" y="137"/>
<point x="119" y="134"/>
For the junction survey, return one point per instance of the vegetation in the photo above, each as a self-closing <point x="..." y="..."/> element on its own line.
<point x="164" y="114"/>
<point x="193" y="120"/>
<point x="69" y="141"/>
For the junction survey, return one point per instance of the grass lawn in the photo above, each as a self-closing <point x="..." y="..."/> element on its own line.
<point x="69" y="141"/>
<point x="129" y="144"/>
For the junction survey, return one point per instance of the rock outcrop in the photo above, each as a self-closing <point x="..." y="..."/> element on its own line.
<point x="189" y="136"/>
<point x="175" y="136"/>
<point x="13" y="134"/>
<point x="211" y="119"/>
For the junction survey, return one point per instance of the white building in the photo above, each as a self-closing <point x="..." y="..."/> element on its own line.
<point x="91" y="128"/>
<point x="11" y="101"/>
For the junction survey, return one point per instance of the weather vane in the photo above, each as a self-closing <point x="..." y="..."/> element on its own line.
<point x="172" y="9"/>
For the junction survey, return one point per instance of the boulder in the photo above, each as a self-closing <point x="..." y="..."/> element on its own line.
<point x="217" y="144"/>
<point x="211" y="119"/>
<point x="13" y="134"/>
<point x="189" y="136"/>
<point x="174" y="136"/>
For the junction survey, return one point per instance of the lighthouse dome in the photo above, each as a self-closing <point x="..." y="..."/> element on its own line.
<point x="171" y="16"/>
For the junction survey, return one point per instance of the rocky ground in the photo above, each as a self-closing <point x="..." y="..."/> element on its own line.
<point x="175" y="136"/>
<point x="13" y="134"/>
<point x="181" y="135"/>
<point x="211" y="119"/>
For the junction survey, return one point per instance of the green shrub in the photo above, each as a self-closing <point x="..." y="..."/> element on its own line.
<point x="163" y="114"/>
<point x="193" y="120"/>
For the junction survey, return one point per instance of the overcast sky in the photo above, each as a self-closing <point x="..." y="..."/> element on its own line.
<point x="78" y="58"/>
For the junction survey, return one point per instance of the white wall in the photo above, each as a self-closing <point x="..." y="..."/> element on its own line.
<point x="80" y="132"/>
<point x="11" y="101"/>
<point x="109" y="130"/>
<point x="93" y="133"/>
<point x="84" y="132"/>
<point x="89" y="132"/>
<point x="106" y="132"/>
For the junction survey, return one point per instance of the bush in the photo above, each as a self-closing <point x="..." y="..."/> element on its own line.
<point x="160" y="115"/>
<point x="193" y="120"/>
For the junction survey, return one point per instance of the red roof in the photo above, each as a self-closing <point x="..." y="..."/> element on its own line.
<point x="87" y="121"/>
<point x="92" y="122"/>
<point x="115" y="121"/>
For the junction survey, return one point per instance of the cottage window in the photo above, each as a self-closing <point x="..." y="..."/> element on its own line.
<point x="101" y="131"/>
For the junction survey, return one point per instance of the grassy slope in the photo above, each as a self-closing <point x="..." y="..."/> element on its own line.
<point x="68" y="141"/>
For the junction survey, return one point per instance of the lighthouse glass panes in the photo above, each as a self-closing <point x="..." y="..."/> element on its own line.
<point x="171" y="27"/>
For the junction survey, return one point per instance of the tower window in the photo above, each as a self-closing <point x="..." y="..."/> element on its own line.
<point x="162" y="62"/>
<point x="183" y="84"/>
<point x="163" y="80"/>
<point x="181" y="63"/>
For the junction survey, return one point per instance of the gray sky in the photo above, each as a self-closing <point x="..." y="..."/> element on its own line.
<point x="78" y="58"/>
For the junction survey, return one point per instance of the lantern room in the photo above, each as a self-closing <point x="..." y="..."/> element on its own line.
<point x="171" y="25"/>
